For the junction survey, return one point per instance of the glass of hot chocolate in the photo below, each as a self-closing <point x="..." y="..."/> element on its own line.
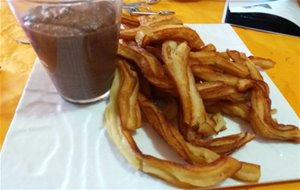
<point x="76" y="41"/>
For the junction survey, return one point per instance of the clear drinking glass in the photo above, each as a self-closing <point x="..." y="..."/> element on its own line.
<point x="76" y="41"/>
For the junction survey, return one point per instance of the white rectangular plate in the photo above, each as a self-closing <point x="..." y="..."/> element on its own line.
<point x="54" y="144"/>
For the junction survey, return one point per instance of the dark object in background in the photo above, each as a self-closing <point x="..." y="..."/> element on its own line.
<point x="263" y="21"/>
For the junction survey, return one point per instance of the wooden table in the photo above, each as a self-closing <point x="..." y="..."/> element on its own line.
<point x="17" y="59"/>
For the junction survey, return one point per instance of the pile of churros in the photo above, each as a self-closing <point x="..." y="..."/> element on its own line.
<point x="167" y="77"/>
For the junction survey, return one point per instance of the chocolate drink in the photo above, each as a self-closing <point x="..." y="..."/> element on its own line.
<point x="77" y="45"/>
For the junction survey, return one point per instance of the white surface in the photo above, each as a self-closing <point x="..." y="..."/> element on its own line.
<point x="53" y="144"/>
<point x="288" y="9"/>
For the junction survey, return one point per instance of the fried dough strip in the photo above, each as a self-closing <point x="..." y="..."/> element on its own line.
<point x="168" y="132"/>
<point x="176" y="60"/>
<point x="258" y="61"/>
<point x="233" y="109"/>
<point x="129" y="110"/>
<point x="207" y="74"/>
<point x="208" y="48"/>
<point x="218" y="61"/>
<point x="221" y="145"/>
<point x="129" y="20"/>
<point x="262" y="62"/>
<point x="180" y="175"/>
<point x="241" y="59"/>
<point x="190" y="153"/>
<point x="261" y="118"/>
<point x="161" y="34"/>
<point x="159" y="20"/>
<point x="208" y="86"/>
<point x="236" y="56"/>
<point x="129" y="34"/>
<point x="217" y="90"/>
<point x="148" y="64"/>
<point x="227" y="144"/>
<point x="145" y="23"/>
<point x="254" y="73"/>
<point x="248" y="173"/>
<point x="204" y="57"/>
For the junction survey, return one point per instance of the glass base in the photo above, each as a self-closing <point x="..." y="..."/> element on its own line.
<point x="87" y="101"/>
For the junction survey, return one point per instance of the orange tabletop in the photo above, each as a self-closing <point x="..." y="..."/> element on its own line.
<point x="16" y="59"/>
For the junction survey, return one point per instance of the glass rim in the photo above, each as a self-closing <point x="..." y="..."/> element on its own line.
<point x="60" y="1"/>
